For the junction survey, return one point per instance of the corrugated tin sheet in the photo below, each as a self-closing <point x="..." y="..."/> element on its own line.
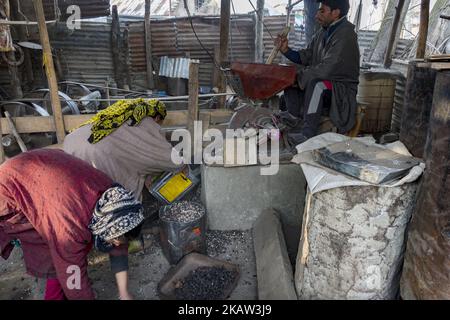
<point x="86" y="54"/>
<point x="174" y="67"/>
<point x="174" y="37"/>
<point x="89" y="8"/>
<point x="137" y="7"/>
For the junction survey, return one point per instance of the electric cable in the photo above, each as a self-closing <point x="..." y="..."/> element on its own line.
<point x="216" y="64"/>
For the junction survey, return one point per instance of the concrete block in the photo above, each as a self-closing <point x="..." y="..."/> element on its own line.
<point x="274" y="271"/>
<point x="235" y="197"/>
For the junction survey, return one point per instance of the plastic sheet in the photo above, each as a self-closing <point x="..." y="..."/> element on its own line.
<point x="368" y="163"/>
<point x="321" y="178"/>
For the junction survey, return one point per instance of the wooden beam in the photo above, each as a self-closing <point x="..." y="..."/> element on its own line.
<point x="225" y="15"/>
<point x="46" y="124"/>
<point x="259" y="31"/>
<point x="148" y="45"/>
<point x="423" y="29"/>
<point x="193" y="110"/>
<point x="50" y="71"/>
<point x="393" y="35"/>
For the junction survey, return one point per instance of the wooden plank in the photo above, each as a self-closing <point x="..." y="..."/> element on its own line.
<point x="50" y="71"/>
<point x="435" y="65"/>
<point x="46" y="124"/>
<point x="393" y="34"/>
<point x="193" y="111"/>
<point x="148" y="46"/>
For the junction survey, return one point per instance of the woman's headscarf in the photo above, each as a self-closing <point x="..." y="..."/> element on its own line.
<point x="116" y="213"/>
<point x="107" y="121"/>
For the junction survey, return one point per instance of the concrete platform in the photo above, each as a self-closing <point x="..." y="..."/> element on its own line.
<point x="236" y="197"/>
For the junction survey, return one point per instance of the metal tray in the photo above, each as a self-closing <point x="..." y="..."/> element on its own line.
<point x="167" y="286"/>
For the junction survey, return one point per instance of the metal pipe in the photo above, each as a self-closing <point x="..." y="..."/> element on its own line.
<point x="173" y="99"/>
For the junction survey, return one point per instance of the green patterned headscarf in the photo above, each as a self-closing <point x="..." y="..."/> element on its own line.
<point x="107" y="121"/>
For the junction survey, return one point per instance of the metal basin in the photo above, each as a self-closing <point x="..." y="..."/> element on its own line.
<point x="259" y="81"/>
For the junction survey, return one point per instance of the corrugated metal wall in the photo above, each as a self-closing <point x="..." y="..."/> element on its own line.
<point x="89" y="8"/>
<point x="175" y="37"/>
<point x="85" y="54"/>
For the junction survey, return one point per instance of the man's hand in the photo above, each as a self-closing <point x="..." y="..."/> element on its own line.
<point x="282" y="43"/>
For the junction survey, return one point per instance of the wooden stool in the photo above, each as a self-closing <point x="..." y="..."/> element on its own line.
<point x="326" y="125"/>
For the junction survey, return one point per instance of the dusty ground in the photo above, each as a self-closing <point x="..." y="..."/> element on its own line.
<point x="147" y="268"/>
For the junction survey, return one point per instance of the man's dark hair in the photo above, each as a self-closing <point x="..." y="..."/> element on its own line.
<point x="342" y="5"/>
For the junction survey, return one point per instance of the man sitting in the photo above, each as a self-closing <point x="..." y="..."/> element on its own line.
<point x="327" y="70"/>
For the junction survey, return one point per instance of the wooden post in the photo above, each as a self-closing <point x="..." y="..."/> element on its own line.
<point x="379" y="46"/>
<point x="259" y="38"/>
<point x="2" y="150"/>
<point x="148" y="45"/>
<point x="423" y="30"/>
<point x="216" y="72"/>
<point x="193" y="109"/>
<point x="50" y="71"/>
<point x="126" y="63"/>
<point x="224" y="42"/>
<point x="116" y="45"/>
<point x="288" y="12"/>
<point x="393" y="35"/>
<point x="108" y="95"/>
<point x="358" y="15"/>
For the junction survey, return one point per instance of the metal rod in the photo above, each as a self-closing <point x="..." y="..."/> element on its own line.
<point x="173" y="99"/>
<point x="20" y="23"/>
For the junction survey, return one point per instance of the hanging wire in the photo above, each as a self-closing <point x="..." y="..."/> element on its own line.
<point x="216" y="64"/>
